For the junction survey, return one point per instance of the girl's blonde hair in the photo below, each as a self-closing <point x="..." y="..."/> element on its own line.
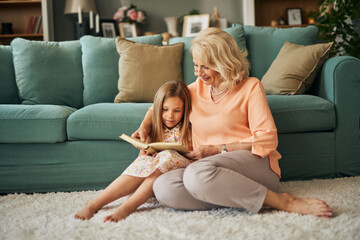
<point x="219" y="51"/>
<point x="171" y="89"/>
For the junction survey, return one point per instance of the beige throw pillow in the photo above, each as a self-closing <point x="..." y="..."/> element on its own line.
<point x="295" y="68"/>
<point x="143" y="68"/>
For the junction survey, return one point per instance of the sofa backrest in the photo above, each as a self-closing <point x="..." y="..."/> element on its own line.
<point x="8" y="89"/>
<point x="264" y="44"/>
<point x="84" y="72"/>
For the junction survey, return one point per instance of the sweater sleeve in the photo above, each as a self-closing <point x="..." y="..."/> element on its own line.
<point x="263" y="138"/>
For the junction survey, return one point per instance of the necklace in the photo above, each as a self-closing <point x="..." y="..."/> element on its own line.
<point x="219" y="93"/>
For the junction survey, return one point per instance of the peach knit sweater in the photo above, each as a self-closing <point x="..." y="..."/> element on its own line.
<point x="242" y="114"/>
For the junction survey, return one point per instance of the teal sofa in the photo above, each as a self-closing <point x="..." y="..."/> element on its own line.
<point x="59" y="126"/>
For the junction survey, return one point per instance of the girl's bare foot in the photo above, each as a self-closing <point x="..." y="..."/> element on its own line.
<point x="118" y="215"/>
<point x="86" y="213"/>
<point x="307" y="206"/>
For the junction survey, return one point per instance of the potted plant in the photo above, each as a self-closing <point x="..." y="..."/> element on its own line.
<point x="338" y="21"/>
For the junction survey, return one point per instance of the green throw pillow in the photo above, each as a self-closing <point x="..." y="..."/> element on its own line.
<point x="295" y="68"/>
<point x="48" y="72"/>
<point x="100" y="63"/>
<point x="143" y="68"/>
<point x="188" y="66"/>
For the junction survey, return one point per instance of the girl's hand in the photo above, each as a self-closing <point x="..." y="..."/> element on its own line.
<point x="141" y="133"/>
<point x="202" y="152"/>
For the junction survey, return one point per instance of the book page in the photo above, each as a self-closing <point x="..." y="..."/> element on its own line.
<point x="134" y="141"/>
<point x="156" y="146"/>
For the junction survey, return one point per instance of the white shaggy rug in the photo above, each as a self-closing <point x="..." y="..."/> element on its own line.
<point x="50" y="216"/>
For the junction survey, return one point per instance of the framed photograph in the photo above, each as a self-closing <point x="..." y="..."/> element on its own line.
<point x="193" y="24"/>
<point x="109" y="28"/>
<point x="294" y="16"/>
<point x="127" y="30"/>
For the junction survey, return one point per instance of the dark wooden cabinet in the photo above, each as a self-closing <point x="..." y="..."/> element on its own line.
<point x="267" y="11"/>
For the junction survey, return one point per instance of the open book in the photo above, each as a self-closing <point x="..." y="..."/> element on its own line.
<point x="155" y="146"/>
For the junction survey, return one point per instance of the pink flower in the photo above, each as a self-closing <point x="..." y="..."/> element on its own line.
<point x="129" y="14"/>
<point x="132" y="14"/>
<point x="120" y="14"/>
<point x="141" y="17"/>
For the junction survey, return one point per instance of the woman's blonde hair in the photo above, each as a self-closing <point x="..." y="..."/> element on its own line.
<point x="171" y="89"/>
<point x="219" y="51"/>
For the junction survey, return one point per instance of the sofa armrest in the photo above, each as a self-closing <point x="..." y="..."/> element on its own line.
<point x="339" y="83"/>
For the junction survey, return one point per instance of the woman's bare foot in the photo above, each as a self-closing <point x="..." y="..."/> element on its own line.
<point x="306" y="206"/>
<point x="86" y="213"/>
<point x="120" y="214"/>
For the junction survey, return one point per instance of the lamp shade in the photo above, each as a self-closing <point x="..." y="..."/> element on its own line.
<point x="71" y="6"/>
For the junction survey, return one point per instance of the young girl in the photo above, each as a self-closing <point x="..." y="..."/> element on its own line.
<point x="170" y="123"/>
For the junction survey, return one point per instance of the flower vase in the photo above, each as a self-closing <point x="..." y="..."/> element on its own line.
<point x="171" y="23"/>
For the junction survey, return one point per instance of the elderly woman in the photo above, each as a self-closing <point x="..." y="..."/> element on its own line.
<point x="234" y="139"/>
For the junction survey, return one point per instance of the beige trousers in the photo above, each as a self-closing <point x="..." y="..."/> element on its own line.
<point x="236" y="179"/>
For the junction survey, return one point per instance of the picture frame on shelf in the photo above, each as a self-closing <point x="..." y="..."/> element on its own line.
<point x="127" y="30"/>
<point x="109" y="28"/>
<point x="294" y="16"/>
<point x="193" y="24"/>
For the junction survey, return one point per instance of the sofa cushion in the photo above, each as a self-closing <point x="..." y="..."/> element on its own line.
<point x="302" y="113"/>
<point x="295" y="68"/>
<point x="8" y="88"/>
<point x="264" y="44"/>
<point x="33" y="123"/>
<point x="100" y="62"/>
<point x="48" y="72"/>
<point x="105" y="121"/>
<point x="144" y="68"/>
<point x="187" y="64"/>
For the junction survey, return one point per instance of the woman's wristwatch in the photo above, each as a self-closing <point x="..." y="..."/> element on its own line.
<point x="223" y="148"/>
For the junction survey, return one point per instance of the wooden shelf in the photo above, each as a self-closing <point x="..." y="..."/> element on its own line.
<point x="18" y="13"/>
<point x="19" y="3"/>
<point x="5" y="39"/>
<point x="23" y="35"/>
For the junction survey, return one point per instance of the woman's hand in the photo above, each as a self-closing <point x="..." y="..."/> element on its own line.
<point x="203" y="151"/>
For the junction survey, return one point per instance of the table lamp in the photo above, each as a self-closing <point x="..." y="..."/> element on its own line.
<point x="78" y="7"/>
